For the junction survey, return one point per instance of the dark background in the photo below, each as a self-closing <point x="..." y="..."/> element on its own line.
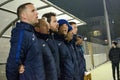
<point x="92" y="12"/>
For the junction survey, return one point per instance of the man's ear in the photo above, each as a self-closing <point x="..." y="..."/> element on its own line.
<point x="23" y="15"/>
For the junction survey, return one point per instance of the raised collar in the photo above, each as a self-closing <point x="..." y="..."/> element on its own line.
<point x="24" y="25"/>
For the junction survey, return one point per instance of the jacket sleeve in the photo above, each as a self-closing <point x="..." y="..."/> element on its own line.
<point x="14" y="59"/>
<point x="17" y="42"/>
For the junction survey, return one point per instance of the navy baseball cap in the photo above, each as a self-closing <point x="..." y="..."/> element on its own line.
<point x="63" y="21"/>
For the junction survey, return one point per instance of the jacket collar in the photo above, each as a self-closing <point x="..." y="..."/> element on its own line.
<point x="59" y="37"/>
<point x="24" y="25"/>
<point x="42" y="36"/>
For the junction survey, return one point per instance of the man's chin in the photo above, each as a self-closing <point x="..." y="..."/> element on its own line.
<point x="56" y="30"/>
<point x="37" y="21"/>
<point x="53" y="31"/>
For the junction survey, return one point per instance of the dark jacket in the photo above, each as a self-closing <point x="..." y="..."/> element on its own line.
<point x="74" y="59"/>
<point x="24" y="50"/>
<point x="81" y="60"/>
<point x="48" y="59"/>
<point x="66" y="64"/>
<point x="54" y="49"/>
<point x="114" y="55"/>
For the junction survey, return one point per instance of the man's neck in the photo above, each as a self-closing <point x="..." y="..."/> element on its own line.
<point x="27" y="22"/>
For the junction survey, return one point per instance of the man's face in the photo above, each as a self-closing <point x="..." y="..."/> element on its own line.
<point x="30" y="14"/>
<point x="79" y="41"/>
<point x="63" y="29"/>
<point x="75" y="29"/>
<point x="54" y="24"/>
<point x="45" y="28"/>
<point x="70" y="35"/>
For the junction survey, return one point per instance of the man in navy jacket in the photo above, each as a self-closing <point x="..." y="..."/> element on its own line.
<point x="77" y="43"/>
<point x="51" y="19"/>
<point x="81" y="59"/>
<point x="24" y="51"/>
<point x="73" y="54"/>
<point x="42" y="32"/>
<point x="66" y="65"/>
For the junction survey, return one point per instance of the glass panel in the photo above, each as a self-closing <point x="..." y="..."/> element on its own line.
<point x="79" y="24"/>
<point x="74" y="20"/>
<point x="2" y="1"/>
<point x="64" y="16"/>
<point x="8" y="32"/>
<point x="7" y="18"/>
<point x="12" y="6"/>
<point x="4" y="49"/>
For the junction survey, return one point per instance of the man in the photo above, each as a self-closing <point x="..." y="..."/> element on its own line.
<point x="66" y="65"/>
<point x="72" y="52"/>
<point x="77" y="43"/>
<point x="42" y="32"/>
<point x="114" y="56"/>
<point x="25" y="59"/>
<point x="81" y="59"/>
<point x="51" y="19"/>
<point x="74" y="26"/>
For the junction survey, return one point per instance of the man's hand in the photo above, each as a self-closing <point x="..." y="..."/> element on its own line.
<point x="21" y="69"/>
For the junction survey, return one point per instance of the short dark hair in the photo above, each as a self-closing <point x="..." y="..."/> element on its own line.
<point x="21" y="8"/>
<point x="115" y="43"/>
<point x="48" y="16"/>
<point x="40" y="23"/>
<point x="71" y="23"/>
